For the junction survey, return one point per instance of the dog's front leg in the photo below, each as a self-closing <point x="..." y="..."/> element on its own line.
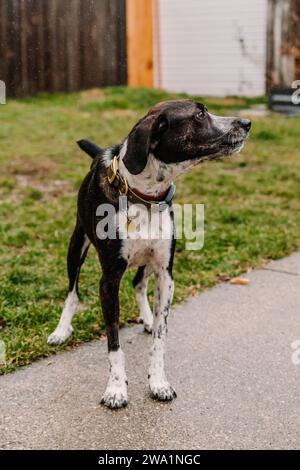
<point x="159" y="386"/>
<point x="115" y="395"/>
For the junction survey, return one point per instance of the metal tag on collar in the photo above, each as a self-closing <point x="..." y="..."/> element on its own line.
<point x="161" y="206"/>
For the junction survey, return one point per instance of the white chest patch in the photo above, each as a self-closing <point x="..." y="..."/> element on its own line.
<point x="150" y="243"/>
<point x="155" y="253"/>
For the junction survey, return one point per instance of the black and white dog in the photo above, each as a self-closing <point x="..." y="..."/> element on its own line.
<point x="171" y="139"/>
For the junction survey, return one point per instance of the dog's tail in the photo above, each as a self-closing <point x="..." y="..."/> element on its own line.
<point x="88" y="147"/>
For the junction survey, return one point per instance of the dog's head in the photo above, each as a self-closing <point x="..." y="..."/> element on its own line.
<point x="180" y="131"/>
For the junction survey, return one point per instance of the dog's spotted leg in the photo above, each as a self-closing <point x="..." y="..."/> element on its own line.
<point x="159" y="386"/>
<point x="78" y="249"/>
<point x="115" y="395"/>
<point x="140" y="284"/>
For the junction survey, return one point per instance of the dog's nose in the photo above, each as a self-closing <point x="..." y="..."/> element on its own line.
<point x="245" y="124"/>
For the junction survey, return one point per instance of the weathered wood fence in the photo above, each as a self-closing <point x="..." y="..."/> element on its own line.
<point x="283" y="43"/>
<point x="61" y="45"/>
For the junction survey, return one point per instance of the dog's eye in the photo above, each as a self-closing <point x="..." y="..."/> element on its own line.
<point x="201" y="115"/>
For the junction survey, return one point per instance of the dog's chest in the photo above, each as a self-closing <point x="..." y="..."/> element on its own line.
<point x="151" y="244"/>
<point x="155" y="253"/>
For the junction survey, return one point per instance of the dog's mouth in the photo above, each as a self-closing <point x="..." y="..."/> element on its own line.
<point x="233" y="142"/>
<point x="230" y="142"/>
<point x="227" y="145"/>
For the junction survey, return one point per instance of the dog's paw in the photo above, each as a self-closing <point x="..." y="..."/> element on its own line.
<point x="59" y="336"/>
<point x="114" y="399"/>
<point x="147" y="326"/>
<point x="162" y="392"/>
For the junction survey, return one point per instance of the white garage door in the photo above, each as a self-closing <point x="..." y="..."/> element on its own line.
<point x="212" y="47"/>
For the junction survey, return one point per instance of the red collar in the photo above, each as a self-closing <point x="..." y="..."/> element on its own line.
<point x="149" y="197"/>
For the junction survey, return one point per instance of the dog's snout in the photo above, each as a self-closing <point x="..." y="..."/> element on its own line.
<point x="244" y="123"/>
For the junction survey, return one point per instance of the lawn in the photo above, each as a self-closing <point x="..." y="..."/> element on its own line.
<point x="252" y="209"/>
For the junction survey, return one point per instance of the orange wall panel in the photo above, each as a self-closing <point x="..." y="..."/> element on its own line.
<point x="139" y="42"/>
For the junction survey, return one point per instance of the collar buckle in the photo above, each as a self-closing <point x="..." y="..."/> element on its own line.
<point x="112" y="170"/>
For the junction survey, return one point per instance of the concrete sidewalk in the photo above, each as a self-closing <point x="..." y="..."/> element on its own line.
<point x="229" y="358"/>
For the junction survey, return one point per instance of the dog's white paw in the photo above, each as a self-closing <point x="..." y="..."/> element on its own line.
<point x="59" y="336"/>
<point x="162" y="391"/>
<point x="115" y="397"/>
<point x="147" y="326"/>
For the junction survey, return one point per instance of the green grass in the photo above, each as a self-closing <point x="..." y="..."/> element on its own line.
<point x="252" y="208"/>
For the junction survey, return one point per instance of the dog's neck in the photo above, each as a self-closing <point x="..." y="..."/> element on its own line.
<point x="156" y="177"/>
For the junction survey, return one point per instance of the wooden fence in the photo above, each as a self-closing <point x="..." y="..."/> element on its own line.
<point x="61" y="45"/>
<point x="283" y="43"/>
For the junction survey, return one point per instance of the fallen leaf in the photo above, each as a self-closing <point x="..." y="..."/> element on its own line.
<point x="194" y="289"/>
<point x="239" y="281"/>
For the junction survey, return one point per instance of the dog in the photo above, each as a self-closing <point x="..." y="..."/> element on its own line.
<point x="168" y="141"/>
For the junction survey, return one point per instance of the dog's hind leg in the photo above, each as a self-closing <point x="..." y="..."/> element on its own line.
<point x="78" y="248"/>
<point x="159" y="386"/>
<point x="140" y="283"/>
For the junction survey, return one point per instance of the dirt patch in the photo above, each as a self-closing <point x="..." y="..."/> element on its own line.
<point x="30" y="186"/>
<point x="49" y="188"/>
<point x="91" y="95"/>
<point x="26" y="166"/>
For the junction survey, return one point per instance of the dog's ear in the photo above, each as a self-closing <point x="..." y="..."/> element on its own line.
<point x="143" y="139"/>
